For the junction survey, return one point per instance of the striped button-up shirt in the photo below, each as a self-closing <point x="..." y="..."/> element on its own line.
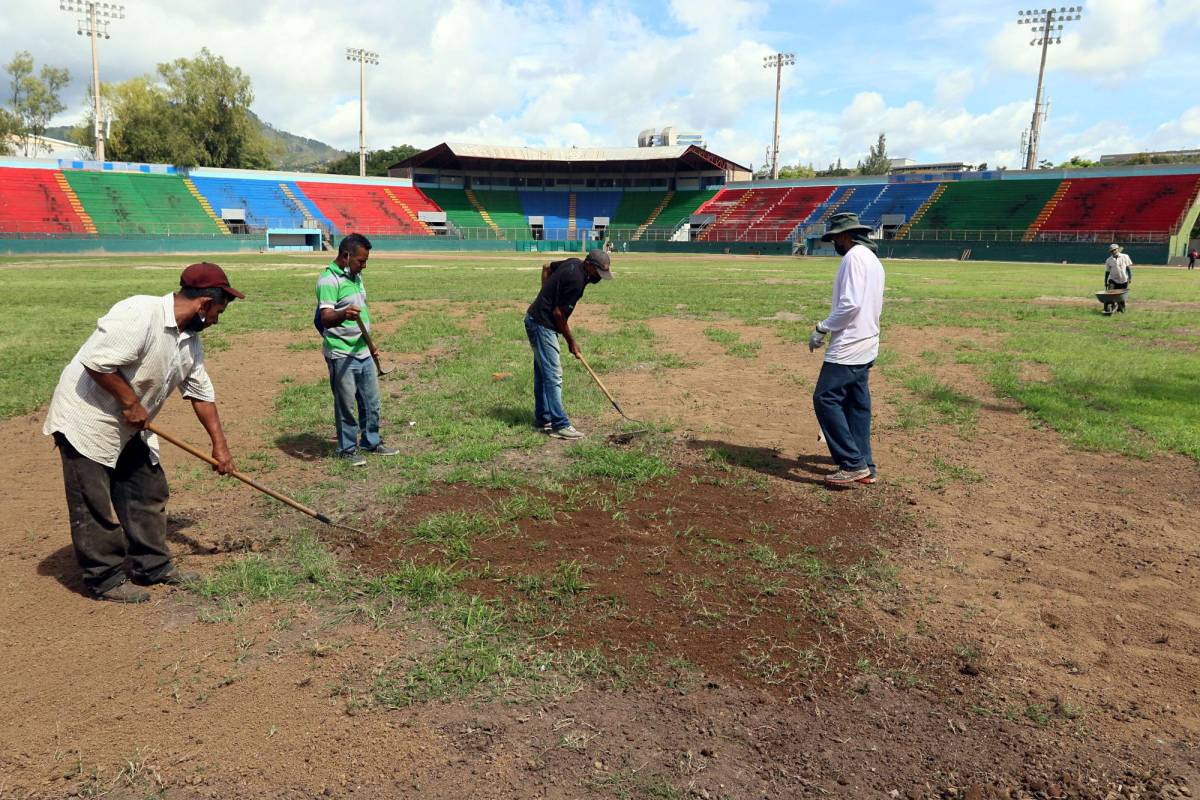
<point x="138" y="337"/>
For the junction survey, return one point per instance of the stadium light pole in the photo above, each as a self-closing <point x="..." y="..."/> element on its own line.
<point x="363" y="57"/>
<point x="1048" y="30"/>
<point x="777" y="62"/>
<point x="95" y="22"/>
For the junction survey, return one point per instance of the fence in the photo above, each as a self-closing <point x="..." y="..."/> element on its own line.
<point x="988" y="235"/>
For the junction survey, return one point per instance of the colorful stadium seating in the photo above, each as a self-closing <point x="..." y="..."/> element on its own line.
<point x="265" y="203"/>
<point x="34" y="201"/>
<point x="895" y="198"/>
<point x="127" y="203"/>
<point x="77" y="202"/>
<point x="679" y="209"/>
<point x="460" y="212"/>
<point x="1138" y="204"/>
<point x="589" y="205"/>
<point x="553" y="207"/>
<point x="987" y="205"/>
<point x="768" y="214"/>
<point x="505" y="209"/>
<point x="370" y="209"/>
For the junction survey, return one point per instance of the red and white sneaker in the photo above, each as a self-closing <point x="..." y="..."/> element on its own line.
<point x="844" y="477"/>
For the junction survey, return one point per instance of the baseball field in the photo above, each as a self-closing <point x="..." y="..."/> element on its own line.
<point x="1009" y="611"/>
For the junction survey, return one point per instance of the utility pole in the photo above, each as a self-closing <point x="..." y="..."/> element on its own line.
<point x="778" y="62"/>
<point x="1049" y="29"/>
<point x="95" y="22"/>
<point x="363" y="57"/>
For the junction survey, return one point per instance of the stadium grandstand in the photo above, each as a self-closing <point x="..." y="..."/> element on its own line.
<point x="684" y="198"/>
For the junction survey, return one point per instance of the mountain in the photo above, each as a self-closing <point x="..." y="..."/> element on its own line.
<point x="294" y="152"/>
<point x="298" y="152"/>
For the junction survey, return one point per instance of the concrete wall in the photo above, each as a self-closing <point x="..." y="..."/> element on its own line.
<point x="101" y="245"/>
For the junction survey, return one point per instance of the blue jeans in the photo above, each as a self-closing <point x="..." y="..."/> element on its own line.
<point x="355" y="387"/>
<point x="842" y="400"/>
<point x="547" y="376"/>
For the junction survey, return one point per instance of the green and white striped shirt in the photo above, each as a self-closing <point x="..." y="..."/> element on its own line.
<point x="337" y="290"/>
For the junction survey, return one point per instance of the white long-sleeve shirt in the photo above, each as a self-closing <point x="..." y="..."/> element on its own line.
<point x="857" y="303"/>
<point x="139" y="338"/>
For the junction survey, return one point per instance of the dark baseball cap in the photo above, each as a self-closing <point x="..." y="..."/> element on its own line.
<point x="207" y="276"/>
<point x="600" y="260"/>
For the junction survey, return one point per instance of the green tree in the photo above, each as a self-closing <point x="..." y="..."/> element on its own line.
<point x="797" y="171"/>
<point x="877" y="159"/>
<point x="834" y="171"/>
<point x="194" y="112"/>
<point x="35" y="99"/>
<point x="1077" y="162"/>
<point x="378" y="161"/>
<point x="10" y="126"/>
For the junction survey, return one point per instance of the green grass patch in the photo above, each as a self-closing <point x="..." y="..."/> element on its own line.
<point x="631" y="464"/>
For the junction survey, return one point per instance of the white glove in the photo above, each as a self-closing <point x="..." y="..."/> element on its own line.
<point x="816" y="339"/>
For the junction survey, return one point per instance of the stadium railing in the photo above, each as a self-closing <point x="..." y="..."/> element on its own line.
<point x="989" y="235"/>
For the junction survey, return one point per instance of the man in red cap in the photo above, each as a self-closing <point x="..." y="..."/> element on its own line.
<point x="144" y="348"/>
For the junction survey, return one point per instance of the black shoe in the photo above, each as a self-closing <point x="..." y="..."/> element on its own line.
<point x="172" y="577"/>
<point x="124" y="592"/>
<point x="382" y="450"/>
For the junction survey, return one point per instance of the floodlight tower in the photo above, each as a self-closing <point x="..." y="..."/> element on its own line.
<point x="1049" y="22"/>
<point x="95" y="22"/>
<point x="778" y="62"/>
<point x="363" y="57"/>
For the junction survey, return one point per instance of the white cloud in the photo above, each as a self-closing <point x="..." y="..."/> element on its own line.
<point x="1113" y="40"/>
<point x="596" y="73"/>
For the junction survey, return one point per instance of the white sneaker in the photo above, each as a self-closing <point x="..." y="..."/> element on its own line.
<point x="568" y="432"/>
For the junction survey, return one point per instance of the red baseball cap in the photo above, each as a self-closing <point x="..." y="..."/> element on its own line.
<point x="207" y="276"/>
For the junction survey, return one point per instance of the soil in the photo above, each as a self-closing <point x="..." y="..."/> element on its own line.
<point x="1044" y="640"/>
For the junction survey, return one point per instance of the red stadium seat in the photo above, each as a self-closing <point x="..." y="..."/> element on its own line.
<point x="371" y="209"/>
<point x="31" y="201"/>
<point x="1139" y="204"/>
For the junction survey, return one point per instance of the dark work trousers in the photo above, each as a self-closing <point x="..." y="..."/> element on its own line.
<point x="1120" y="304"/>
<point x="842" y="402"/>
<point x="136" y="490"/>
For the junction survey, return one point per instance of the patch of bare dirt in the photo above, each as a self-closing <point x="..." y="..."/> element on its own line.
<point x="1044" y="643"/>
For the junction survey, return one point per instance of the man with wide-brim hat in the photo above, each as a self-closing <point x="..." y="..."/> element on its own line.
<point x="1118" y="272"/>
<point x="842" y="398"/>
<point x="142" y="350"/>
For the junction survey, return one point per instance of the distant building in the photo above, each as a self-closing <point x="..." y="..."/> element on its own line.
<point x="944" y="166"/>
<point x="670" y="137"/>
<point x="894" y="163"/>
<point x="1156" y="157"/>
<point x="45" y="147"/>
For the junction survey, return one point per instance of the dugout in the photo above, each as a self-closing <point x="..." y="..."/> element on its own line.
<point x="293" y="239"/>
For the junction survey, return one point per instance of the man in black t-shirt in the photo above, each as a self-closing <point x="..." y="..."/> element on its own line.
<point x="563" y="283"/>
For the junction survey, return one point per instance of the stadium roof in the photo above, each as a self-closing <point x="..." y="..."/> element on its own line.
<point x="564" y="159"/>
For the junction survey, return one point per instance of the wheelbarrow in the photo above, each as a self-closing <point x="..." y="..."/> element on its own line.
<point x="1110" y="297"/>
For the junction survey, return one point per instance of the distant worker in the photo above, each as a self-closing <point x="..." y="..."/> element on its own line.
<point x="563" y="283"/>
<point x="842" y="397"/>
<point x="142" y="350"/>
<point x="1118" y="272"/>
<point x="342" y="317"/>
<point x="1192" y="256"/>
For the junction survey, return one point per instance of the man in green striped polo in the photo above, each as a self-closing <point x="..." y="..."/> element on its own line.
<point x="342" y="316"/>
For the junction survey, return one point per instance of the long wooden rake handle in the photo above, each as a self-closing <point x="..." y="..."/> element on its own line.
<point x="379" y="369"/>
<point x="604" y="389"/>
<point x="283" y="498"/>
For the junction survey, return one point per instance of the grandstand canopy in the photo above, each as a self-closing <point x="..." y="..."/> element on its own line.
<point x="578" y="162"/>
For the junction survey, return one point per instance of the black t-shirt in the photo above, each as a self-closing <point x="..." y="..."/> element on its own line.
<point x="563" y="289"/>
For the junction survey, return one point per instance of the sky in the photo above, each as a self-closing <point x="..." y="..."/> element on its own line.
<point x="943" y="80"/>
